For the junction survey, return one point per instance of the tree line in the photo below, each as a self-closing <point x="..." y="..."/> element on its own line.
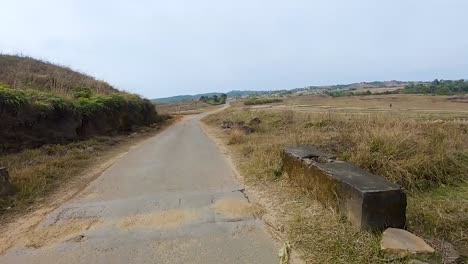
<point x="214" y="99"/>
<point x="441" y="87"/>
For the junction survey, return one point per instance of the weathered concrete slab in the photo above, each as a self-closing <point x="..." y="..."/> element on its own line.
<point x="369" y="201"/>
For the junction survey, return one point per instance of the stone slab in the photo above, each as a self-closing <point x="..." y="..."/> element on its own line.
<point x="369" y="201"/>
<point x="402" y="243"/>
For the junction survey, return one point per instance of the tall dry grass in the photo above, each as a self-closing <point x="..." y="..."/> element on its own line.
<point x="21" y="72"/>
<point x="236" y="136"/>
<point x="418" y="154"/>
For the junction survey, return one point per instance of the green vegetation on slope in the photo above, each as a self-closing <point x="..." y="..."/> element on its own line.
<point x="42" y="103"/>
<point x="31" y="118"/>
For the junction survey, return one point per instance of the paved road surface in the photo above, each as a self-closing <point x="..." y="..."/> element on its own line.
<point x="172" y="199"/>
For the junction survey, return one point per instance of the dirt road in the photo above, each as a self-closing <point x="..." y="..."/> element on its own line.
<point x="172" y="199"/>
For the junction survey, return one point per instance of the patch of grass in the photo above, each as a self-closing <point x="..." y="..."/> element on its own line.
<point x="13" y="101"/>
<point x="327" y="238"/>
<point x="441" y="213"/>
<point x="260" y="101"/>
<point x="236" y="136"/>
<point x="35" y="172"/>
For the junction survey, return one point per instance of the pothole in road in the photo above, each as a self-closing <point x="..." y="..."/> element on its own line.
<point x="237" y="207"/>
<point x="55" y="233"/>
<point x="171" y="218"/>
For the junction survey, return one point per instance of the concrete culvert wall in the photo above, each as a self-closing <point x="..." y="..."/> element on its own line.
<point x="367" y="200"/>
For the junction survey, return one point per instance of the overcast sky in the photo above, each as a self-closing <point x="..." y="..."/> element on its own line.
<point x="163" y="48"/>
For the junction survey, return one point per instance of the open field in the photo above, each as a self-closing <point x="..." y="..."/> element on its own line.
<point x="421" y="142"/>
<point x="184" y="108"/>
<point x="422" y="106"/>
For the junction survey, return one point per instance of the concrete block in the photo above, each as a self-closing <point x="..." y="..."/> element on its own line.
<point x="369" y="201"/>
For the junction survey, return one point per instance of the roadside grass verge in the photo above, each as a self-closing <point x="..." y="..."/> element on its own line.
<point x="36" y="172"/>
<point x="39" y="172"/>
<point x="430" y="159"/>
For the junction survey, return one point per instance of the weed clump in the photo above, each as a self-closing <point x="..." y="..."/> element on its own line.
<point x="236" y="136"/>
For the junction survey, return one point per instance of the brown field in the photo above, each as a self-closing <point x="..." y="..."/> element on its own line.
<point x="184" y="108"/>
<point x="421" y="142"/>
<point x="425" y="106"/>
<point x="380" y="90"/>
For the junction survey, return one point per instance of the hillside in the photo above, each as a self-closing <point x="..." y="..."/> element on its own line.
<point x="26" y="72"/>
<point x="283" y="92"/>
<point x="183" y="98"/>
<point x="42" y="103"/>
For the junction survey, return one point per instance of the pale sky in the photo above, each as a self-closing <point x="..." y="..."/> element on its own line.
<point x="163" y="48"/>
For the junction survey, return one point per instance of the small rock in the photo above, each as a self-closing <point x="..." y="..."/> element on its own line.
<point x="403" y="243"/>
<point x="255" y="121"/>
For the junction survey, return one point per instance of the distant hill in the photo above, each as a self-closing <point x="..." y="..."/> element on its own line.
<point x="308" y="89"/>
<point x="26" y="72"/>
<point x="183" y="98"/>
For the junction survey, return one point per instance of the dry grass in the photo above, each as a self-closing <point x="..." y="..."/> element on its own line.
<point x="415" y="154"/>
<point x="184" y="108"/>
<point x="25" y="72"/>
<point x="236" y="136"/>
<point x="37" y="173"/>
<point x="422" y="154"/>
<point x="417" y="106"/>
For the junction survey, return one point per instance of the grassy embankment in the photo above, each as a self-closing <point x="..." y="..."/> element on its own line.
<point x="430" y="159"/>
<point x="56" y="122"/>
